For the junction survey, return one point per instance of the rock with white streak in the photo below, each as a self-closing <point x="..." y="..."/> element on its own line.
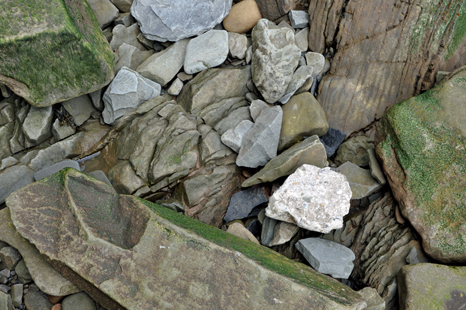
<point x="260" y="144"/>
<point x="313" y="198"/>
<point x="233" y="137"/>
<point x="178" y="19"/>
<point x="206" y="51"/>
<point x="327" y="256"/>
<point x="237" y="44"/>
<point x="126" y="92"/>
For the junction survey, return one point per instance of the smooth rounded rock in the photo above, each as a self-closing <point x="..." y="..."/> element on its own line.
<point x="78" y="301"/>
<point x="243" y="17"/>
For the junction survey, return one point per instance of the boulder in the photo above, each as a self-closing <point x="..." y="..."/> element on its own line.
<point x="256" y="108"/>
<point x="316" y="61"/>
<point x="5" y="301"/>
<point x="176" y="87"/>
<point x="243" y="202"/>
<point x="206" y="51"/>
<point x="312" y="198"/>
<point x="243" y="17"/>
<point x="37" y="125"/>
<point x="78" y="62"/>
<point x="275" y="58"/>
<point x="373" y="299"/>
<point x="128" y="35"/>
<point x="309" y="151"/>
<point x="131" y="57"/>
<point x="105" y="239"/>
<point x="381" y="59"/>
<point x="420" y="142"/>
<point x="78" y="301"/>
<point x="301" y="38"/>
<point x="178" y="19"/>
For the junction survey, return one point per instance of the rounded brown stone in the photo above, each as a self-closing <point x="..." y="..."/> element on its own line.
<point x="243" y="17"/>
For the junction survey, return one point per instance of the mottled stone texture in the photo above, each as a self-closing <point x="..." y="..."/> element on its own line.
<point x="62" y="40"/>
<point x="421" y="143"/>
<point x="383" y="57"/>
<point x="125" y="252"/>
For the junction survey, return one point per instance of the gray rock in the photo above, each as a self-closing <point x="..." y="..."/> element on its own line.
<point x="104" y="11"/>
<point x="37" y="125"/>
<point x="355" y="151"/>
<point x="96" y="98"/>
<point x="35" y="299"/>
<point x="298" y="19"/>
<point x="55" y="168"/>
<point x="376" y="170"/>
<point x="283" y="232"/>
<point x="256" y="108"/>
<point x="313" y="198"/>
<point x="360" y="180"/>
<point x="10" y="257"/>
<point x="372" y="298"/>
<point x="123" y="5"/>
<point x="131" y="57"/>
<point x="327" y="257"/>
<point x="176" y="87"/>
<point x="5" y="301"/>
<point x="126" y="92"/>
<point x="237" y="44"/>
<point x="299" y="78"/>
<point x="251" y="97"/>
<point x="100" y="175"/>
<point x="184" y="77"/>
<point x="317" y="61"/>
<point x="162" y="67"/>
<point x="233" y="119"/>
<point x="332" y="140"/>
<point x="78" y="301"/>
<point x="14" y="178"/>
<point x="128" y="35"/>
<point x="4" y="274"/>
<point x="8" y="162"/>
<point x="234" y="136"/>
<point x="261" y="142"/>
<point x="80" y="108"/>
<point x="23" y="273"/>
<point x="347" y="233"/>
<point x="124" y="179"/>
<point x="275" y="58"/>
<point x="268" y="228"/>
<point x="248" y="56"/>
<point x="242" y="203"/>
<point x="206" y="51"/>
<point x="17" y="294"/>
<point x="178" y="19"/>
<point x="62" y="131"/>
<point x="302" y="39"/>
<point x="125" y="19"/>
<point x="284" y="24"/>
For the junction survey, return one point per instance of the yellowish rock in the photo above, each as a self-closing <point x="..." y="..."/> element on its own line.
<point x="243" y="17"/>
<point x="240" y="231"/>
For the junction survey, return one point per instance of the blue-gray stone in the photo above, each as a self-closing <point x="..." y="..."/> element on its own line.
<point x="298" y="19"/>
<point x="332" y="140"/>
<point x="243" y="202"/>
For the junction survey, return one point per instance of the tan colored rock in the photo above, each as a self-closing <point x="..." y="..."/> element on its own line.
<point x="239" y="230"/>
<point x="283" y="232"/>
<point x="243" y="17"/>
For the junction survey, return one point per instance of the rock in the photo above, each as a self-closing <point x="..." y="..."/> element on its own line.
<point x="178" y="239"/>
<point x="381" y="59"/>
<point x="302" y="116"/>
<point x="39" y="175"/>
<point x="8" y="162"/>
<point x="100" y="175"/>
<point x="37" y="125"/>
<point x="310" y="152"/>
<point x="256" y="108"/>
<point x="234" y="137"/>
<point x="96" y="98"/>
<point x="125" y="19"/>
<point x="347" y="233"/>
<point x="176" y="87"/>
<point x="298" y="19"/>
<point x="275" y="57"/>
<point x="243" y="202"/>
<point x="421" y="151"/>
<point x="4" y="275"/>
<point x="260" y="144"/>
<point x="126" y="92"/>
<point x="131" y="57"/>
<point x="184" y="77"/>
<point x="268" y="228"/>
<point x="316" y="61"/>
<point x="17" y="294"/>
<point x="104" y="11"/>
<point x="243" y="17"/>
<point x="10" y="257"/>
<point x="78" y="301"/>
<point x="332" y="140"/>
<point x="372" y="298"/>
<point x="35" y="299"/>
<point x="327" y="257"/>
<point x="240" y="231"/>
<point x="124" y="179"/>
<point x="360" y="180"/>
<point x="301" y="39"/>
<point x="80" y="60"/>
<point x="206" y="51"/>
<point x="128" y="35"/>
<point x="23" y="273"/>
<point x="381" y="247"/>
<point x="355" y="151"/>
<point x="376" y="170"/>
<point x="237" y="44"/>
<point x="5" y="301"/>
<point x="60" y="131"/>
<point x="48" y="279"/>
<point x="80" y="108"/>
<point x="283" y="232"/>
<point x="300" y="77"/>
<point x="123" y="5"/>
<point x="162" y="67"/>
<point x="440" y="76"/>
<point x="178" y="19"/>
<point x="13" y="178"/>
<point x="274" y="9"/>
<point x="317" y="205"/>
<point x="425" y="286"/>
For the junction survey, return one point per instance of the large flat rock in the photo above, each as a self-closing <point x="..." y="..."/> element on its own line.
<point x="129" y="253"/>
<point x="62" y="40"/>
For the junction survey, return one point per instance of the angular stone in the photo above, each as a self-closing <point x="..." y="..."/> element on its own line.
<point x="301" y="39"/>
<point x="35" y="299"/>
<point x="176" y="87"/>
<point x="78" y="301"/>
<point x="274" y="9"/>
<point x="206" y="51"/>
<point x="275" y="58"/>
<point x="243" y="17"/>
<point x="178" y="19"/>
<point x="421" y="144"/>
<point x="237" y="45"/>
<point x="360" y="180"/>
<point x="256" y="108"/>
<point x="372" y="298"/>
<point x="10" y="257"/>
<point x="126" y="92"/>
<point x="310" y="152"/>
<point x="327" y="257"/>
<point x="79" y="61"/>
<point x="123" y="5"/>
<point x="37" y="125"/>
<point x="302" y="116"/>
<point x="300" y="76"/>
<point x="355" y="151"/>
<point x="124" y="179"/>
<point x="80" y="108"/>
<point x="55" y="168"/>
<point x="239" y="230"/>
<point x="234" y="137"/>
<point x="128" y="35"/>
<point x="162" y="67"/>
<point x="332" y="140"/>
<point x="268" y="228"/>
<point x="283" y="232"/>
<point x="298" y="19"/>
<point x="260" y="144"/>
<point x="243" y="202"/>
<point x="128" y="241"/>
<point x="23" y="273"/>
<point x="17" y="294"/>
<point x="316" y="61"/>
<point x="131" y="57"/>
<point x="5" y="301"/>
<point x="104" y="11"/>
<point x="8" y="162"/>
<point x="376" y="170"/>
<point x="14" y="178"/>
<point x="125" y="19"/>
<point x="60" y="131"/>
<point x="312" y="198"/>
<point x="446" y="286"/>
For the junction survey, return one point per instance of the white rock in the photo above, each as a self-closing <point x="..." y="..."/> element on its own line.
<point x="234" y="136"/>
<point x="237" y="44"/>
<point x="206" y="51"/>
<point x="313" y="198"/>
<point x="176" y="87"/>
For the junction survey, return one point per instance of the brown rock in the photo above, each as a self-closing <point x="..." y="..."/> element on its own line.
<point x="382" y="58"/>
<point x="56" y="307"/>
<point x="55" y="299"/>
<point x="243" y="17"/>
<point x="239" y="230"/>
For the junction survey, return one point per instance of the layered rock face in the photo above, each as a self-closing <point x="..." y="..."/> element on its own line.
<point x="383" y="57"/>
<point x="78" y="61"/>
